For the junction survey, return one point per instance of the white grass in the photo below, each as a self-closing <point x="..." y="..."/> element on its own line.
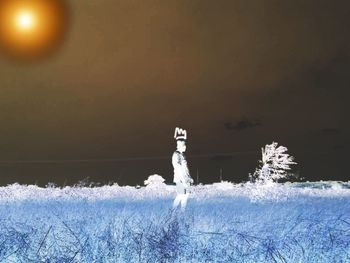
<point x="223" y="222"/>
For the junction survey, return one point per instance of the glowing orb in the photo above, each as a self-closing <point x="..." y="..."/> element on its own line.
<point x="31" y="29"/>
<point x="25" y="20"/>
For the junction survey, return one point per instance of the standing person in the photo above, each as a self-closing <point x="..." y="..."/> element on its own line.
<point x="182" y="177"/>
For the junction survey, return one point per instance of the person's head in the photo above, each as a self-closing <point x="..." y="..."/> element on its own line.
<point x="181" y="145"/>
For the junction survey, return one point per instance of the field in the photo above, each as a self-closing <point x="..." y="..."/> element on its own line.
<point x="223" y="222"/>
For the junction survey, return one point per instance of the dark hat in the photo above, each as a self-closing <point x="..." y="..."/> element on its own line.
<point x="180" y="134"/>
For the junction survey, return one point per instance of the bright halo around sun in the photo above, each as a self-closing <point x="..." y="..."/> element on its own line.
<point x="32" y="29"/>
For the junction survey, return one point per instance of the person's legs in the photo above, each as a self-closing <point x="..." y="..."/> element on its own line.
<point x="180" y="189"/>
<point x="184" y="200"/>
<point x="177" y="201"/>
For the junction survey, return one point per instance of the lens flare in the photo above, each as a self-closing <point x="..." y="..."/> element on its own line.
<point x="32" y="29"/>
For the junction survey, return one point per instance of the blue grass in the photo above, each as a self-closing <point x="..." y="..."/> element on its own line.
<point x="221" y="223"/>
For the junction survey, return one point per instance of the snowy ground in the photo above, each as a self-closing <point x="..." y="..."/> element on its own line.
<point x="224" y="222"/>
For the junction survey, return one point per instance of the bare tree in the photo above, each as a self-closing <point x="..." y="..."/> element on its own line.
<point x="274" y="164"/>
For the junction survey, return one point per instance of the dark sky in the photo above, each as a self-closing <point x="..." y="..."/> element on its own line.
<point x="236" y="74"/>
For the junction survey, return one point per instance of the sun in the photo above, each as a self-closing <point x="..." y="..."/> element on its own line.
<point x="25" y="20"/>
<point x="31" y="29"/>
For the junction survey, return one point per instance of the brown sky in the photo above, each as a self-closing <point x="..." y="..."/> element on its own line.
<point x="235" y="74"/>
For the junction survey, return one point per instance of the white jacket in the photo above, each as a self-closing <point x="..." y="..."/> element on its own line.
<point x="181" y="172"/>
